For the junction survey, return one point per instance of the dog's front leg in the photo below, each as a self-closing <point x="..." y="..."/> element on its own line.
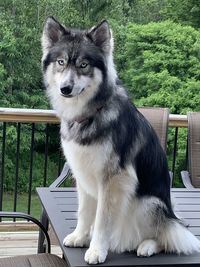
<point x="99" y="244"/>
<point x="86" y="214"/>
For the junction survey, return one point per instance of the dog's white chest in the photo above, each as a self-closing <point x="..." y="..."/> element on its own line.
<point x="87" y="164"/>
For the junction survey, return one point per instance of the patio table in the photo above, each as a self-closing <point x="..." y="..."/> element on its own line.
<point x="60" y="205"/>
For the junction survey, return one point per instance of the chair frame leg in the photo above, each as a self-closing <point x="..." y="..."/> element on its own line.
<point x="41" y="244"/>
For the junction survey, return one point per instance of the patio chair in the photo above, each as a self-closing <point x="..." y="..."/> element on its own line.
<point x="191" y="177"/>
<point x="38" y="260"/>
<point x="158" y="118"/>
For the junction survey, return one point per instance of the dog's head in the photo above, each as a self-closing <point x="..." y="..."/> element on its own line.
<point x="75" y="62"/>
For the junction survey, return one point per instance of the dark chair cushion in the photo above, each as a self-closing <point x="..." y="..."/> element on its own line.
<point x="38" y="260"/>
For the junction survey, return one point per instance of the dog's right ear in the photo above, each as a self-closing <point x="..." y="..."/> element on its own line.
<point x="52" y="33"/>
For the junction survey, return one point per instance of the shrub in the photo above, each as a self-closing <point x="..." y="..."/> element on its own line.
<point x="161" y="65"/>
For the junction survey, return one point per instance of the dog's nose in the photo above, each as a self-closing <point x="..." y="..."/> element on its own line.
<point x="66" y="90"/>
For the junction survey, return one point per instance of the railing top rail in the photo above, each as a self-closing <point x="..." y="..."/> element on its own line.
<point x="176" y="120"/>
<point x="49" y="116"/>
<point x="28" y="115"/>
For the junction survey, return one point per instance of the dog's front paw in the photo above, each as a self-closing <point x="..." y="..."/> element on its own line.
<point x="75" y="240"/>
<point x="147" y="248"/>
<point x="95" y="255"/>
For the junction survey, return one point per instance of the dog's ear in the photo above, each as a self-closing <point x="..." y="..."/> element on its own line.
<point x="101" y="35"/>
<point x="52" y="33"/>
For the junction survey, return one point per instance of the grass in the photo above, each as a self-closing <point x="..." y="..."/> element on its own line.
<point x="22" y="203"/>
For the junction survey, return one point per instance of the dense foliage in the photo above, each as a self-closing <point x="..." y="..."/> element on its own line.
<point x="163" y="66"/>
<point x="156" y="53"/>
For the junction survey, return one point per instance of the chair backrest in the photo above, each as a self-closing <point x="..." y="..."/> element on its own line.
<point x="194" y="147"/>
<point x="159" y="119"/>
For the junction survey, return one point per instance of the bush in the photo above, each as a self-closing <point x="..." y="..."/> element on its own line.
<point x="161" y="65"/>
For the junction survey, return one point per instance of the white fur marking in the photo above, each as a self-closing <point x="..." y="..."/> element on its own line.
<point x="95" y="255"/>
<point x="148" y="247"/>
<point x="176" y="238"/>
<point x="70" y="108"/>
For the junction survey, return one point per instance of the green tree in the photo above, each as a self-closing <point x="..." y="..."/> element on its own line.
<point x="185" y="11"/>
<point x="162" y="65"/>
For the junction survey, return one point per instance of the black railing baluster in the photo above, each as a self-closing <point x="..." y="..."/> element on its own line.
<point x="2" y="166"/>
<point x="174" y="151"/>
<point x="186" y="156"/>
<point x="46" y="154"/>
<point x="31" y="166"/>
<point x="17" y="166"/>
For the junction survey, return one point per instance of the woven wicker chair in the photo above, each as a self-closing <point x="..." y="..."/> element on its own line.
<point x="38" y="260"/>
<point x="191" y="177"/>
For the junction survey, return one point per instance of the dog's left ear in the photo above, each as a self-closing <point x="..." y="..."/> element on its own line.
<point x="101" y="35"/>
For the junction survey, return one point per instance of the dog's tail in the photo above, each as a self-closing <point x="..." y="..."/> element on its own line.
<point x="178" y="239"/>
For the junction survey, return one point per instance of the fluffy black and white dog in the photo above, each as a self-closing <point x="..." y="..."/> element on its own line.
<point x="120" y="168"/>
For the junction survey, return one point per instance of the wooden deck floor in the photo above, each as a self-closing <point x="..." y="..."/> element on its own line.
<point x="21" y="243"/>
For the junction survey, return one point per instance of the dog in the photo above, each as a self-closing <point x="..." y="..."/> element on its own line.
<point x="120" y="168"/>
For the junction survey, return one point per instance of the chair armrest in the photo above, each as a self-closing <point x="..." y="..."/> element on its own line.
<point x="65" y="173"/>
<point x="21" y="215"/>
<point x="186" y="179"/>
<point x="62" y="177"/>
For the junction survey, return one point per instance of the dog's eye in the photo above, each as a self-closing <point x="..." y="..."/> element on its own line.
<point x="83" y="65"/>
<point x="61" y="62"/>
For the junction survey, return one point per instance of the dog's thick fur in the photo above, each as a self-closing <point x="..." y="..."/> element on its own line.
<point x="120" y="168"/>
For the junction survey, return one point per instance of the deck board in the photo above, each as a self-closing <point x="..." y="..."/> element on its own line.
<point x="21" y="243"/>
